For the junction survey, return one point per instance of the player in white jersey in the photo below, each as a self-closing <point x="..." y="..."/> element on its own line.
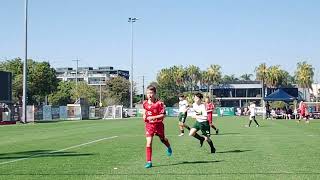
<point x="183" y="108"/>
<point x="252" y="109"/>
<point x="200" y="115"/>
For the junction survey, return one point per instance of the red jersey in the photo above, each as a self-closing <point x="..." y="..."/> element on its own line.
<point x="154" y="109"/>
<point x="209" y="107"/>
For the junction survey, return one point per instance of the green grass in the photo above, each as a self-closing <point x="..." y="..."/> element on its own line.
<point x="279" y="149"/>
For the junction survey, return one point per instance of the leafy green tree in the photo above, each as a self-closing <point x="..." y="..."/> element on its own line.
<point x="41" y="80"/>
<point x="118" y="92"/>
<point x="62" y="96"/>
<point x="83" y="90"/>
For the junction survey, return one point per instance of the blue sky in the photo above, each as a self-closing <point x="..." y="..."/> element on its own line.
<point x="238" y="35"/>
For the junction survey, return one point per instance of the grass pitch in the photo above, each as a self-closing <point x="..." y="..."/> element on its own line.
<point x="115" y="149"/>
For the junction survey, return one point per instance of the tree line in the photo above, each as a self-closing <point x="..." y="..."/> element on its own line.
<point x="179" y="79"/>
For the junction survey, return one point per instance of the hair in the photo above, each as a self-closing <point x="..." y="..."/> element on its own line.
<point x="152" y="88"/>
<point x="199" y="95"/>
<point x="182" y="96"/>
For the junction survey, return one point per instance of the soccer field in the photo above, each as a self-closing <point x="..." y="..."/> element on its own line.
<point x="115" y="149"/>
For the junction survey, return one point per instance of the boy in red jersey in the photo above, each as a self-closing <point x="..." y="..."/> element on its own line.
<point x="209" y="108"/>
<point x="154" y="113"/>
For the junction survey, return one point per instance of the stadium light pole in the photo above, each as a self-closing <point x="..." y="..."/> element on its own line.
<point x="131" y="20"/>
<point x="24" y="99"/>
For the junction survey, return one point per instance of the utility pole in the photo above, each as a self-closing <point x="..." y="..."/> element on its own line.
<point x="77" y="61"/>
<point x="142" y="88"/>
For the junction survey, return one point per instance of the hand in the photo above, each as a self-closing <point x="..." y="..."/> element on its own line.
<point x="150" y="118"/>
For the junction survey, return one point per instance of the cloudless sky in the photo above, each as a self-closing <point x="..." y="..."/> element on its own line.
<point x="236" y="34"/>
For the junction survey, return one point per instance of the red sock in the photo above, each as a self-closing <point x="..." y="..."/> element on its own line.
<point x="148" y="153"/>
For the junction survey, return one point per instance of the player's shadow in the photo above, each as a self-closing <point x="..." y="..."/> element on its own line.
<point x="190" y="162"/>
<point x="221" y="134"/>
<point x="233" y="151"/>
<point x="41" y="153"/>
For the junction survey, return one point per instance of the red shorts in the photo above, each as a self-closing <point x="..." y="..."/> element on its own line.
<point x="210" y="118"/>
<point x="155" y="129"/>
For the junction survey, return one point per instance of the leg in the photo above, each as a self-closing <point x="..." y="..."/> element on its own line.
<point x="212" y="148"/>
<point x="193" y="132"/>
<point x="254" y="118"/>
<point x="149" y="152"/>
<point x="181" y="128"/>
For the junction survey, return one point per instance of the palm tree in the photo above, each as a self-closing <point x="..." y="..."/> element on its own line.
<point x="261" y="72"/>
<point x="274" y="76"/>
<point x="179" y="76"/>
<point x="214" y="75"/>
<point x="246" y="77"/>
<point x="204" y="79"/>
<point x="229" y="79"/>
<point x="193" y="75"/>
<point x="304" y="75"/>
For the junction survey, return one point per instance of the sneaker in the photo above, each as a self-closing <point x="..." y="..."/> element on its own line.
<point x="217" y="131"/>
<point x="181" y="134"/>
<point x="169" y="151"/>
<point x="148" y="165"/>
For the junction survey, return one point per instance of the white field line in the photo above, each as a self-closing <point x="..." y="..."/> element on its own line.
<point x="64" y="149"/>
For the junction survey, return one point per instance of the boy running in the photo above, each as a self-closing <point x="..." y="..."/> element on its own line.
<point x="183" y="107"/>
<point x="252" y="109"/>
<point x="209" y="108"/>
<point x="153" y="117"/>
<point x="201" y="122"/>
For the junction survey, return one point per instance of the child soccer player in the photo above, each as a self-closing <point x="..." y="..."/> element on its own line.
<point x="154" y="113"/>
<point x="209" y="108"/>
<point x="201" y="122"/>
<point x="183" y="107"/>
<point x="252" y="109"/>
<point x="304" y="113"/>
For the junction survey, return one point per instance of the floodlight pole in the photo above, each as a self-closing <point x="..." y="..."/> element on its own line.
<point x="131" y="20"/>
<point x="24" y="96"/>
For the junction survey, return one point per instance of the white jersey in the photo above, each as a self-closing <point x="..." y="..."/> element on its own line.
<point x="252" y="109"/>
<point x="183" y="105"/>
<point x="201" y="111"/>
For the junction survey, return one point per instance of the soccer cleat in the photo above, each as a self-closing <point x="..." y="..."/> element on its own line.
<point x="307" y="121"/>
<point x="217" y="131"/>
<point x="257" y="126"/>
<point x="169" y="151"/>
<point x="181" y="134"/>
<point x="148" y="165"/>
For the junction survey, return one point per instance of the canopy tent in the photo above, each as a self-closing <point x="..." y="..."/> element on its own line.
<point x="279" y="95"/>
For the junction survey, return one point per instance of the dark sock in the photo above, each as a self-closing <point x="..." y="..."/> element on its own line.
<point x="256" y="122"/>
<point x="213" y="150"/>
<point x="187" y="127"/>
<point x="182" y="131"/>
<point x="213" y="127"/>
<point x="200" y="138"/>
<point x="250" y="123"/>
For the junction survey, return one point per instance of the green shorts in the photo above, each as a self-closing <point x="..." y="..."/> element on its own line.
<point x="203" y="126"/>
<point x="182" y="117"/>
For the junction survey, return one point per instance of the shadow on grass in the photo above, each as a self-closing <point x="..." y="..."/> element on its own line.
<point x="41" y="153"/>
<point x="190" y="162"/>
<point x="234" y="151"/>
<point x="221" y="134"/>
